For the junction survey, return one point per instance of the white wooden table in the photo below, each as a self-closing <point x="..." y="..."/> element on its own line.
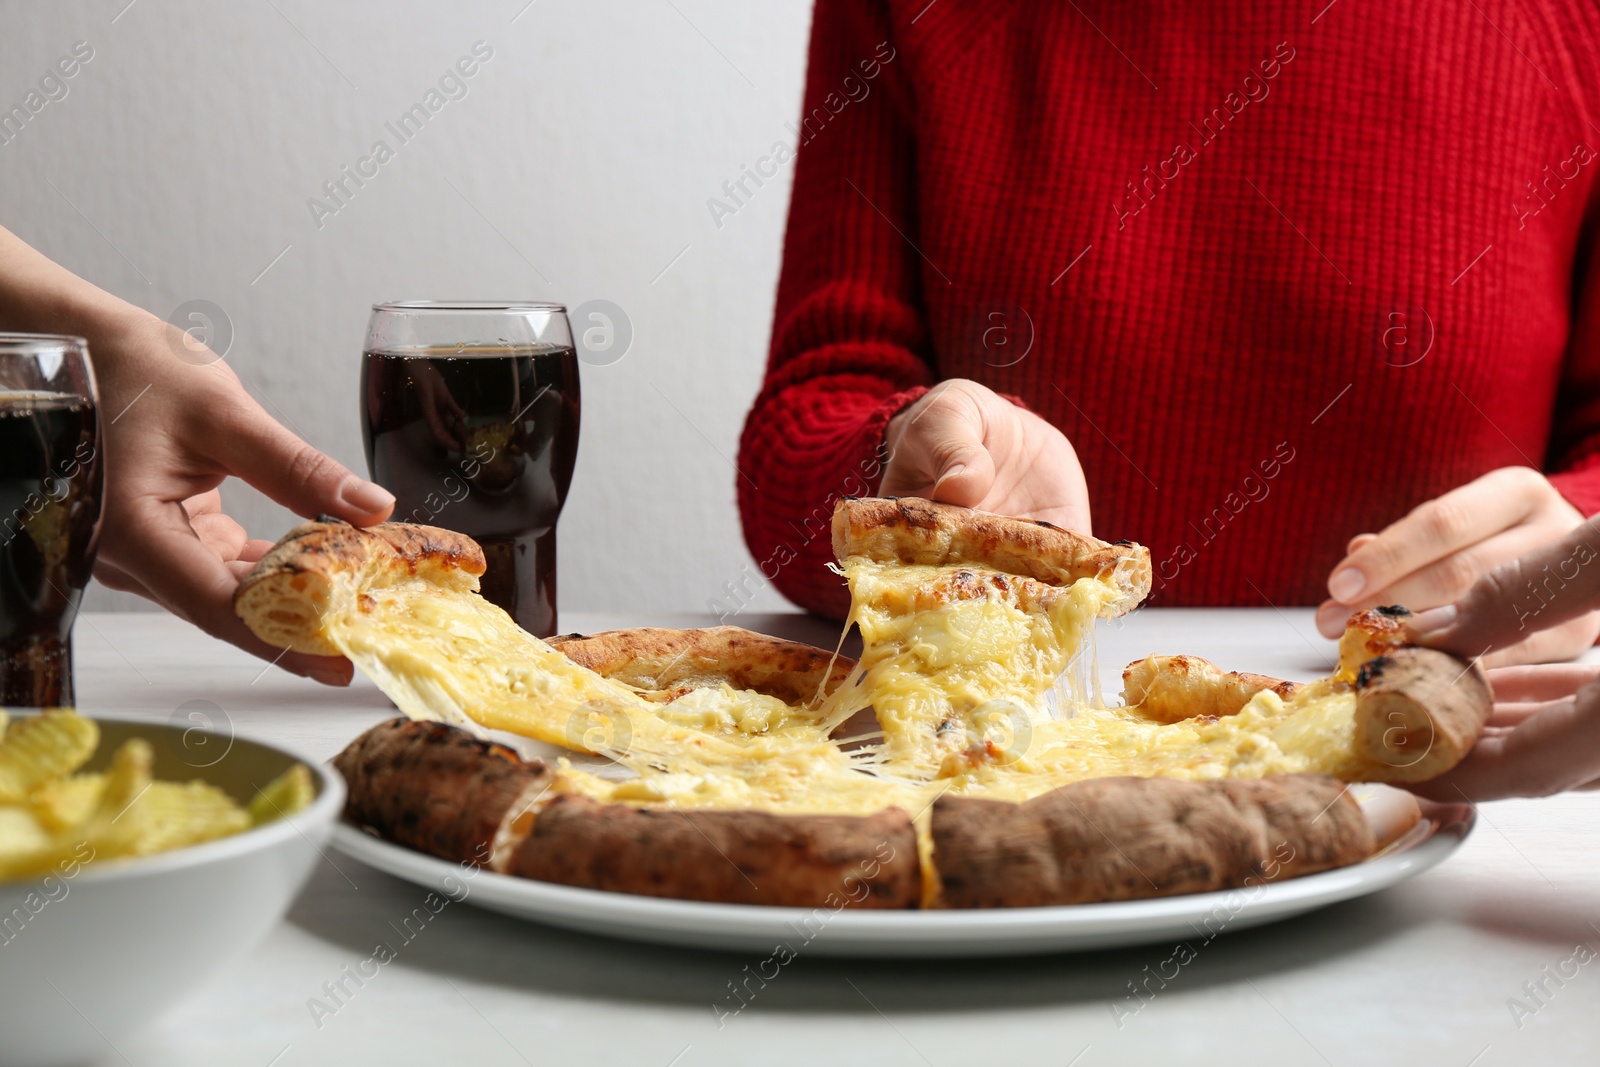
<point x="1422" y="974"/>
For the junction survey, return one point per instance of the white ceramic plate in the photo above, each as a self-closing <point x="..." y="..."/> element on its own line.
<point x="997" y="932"/>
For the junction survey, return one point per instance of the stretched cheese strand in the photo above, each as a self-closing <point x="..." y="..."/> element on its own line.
<point x="964" y="690"/>
<point x="452" y="656"/>
<point x="968" y="677"/>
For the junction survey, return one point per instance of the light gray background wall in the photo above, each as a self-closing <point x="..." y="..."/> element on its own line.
<point x="577" y="167"/>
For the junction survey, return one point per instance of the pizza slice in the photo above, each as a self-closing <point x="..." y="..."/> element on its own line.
<point x="968" y="621"/>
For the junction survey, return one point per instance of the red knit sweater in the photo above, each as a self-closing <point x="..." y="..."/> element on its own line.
<point x="1279" y="276"/>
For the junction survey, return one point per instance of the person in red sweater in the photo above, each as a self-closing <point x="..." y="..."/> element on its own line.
<point x="1301" y="297"/>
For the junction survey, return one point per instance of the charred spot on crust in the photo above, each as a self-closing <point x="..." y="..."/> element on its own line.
<point x="332" y="520"/>
<point x="1370" y="671"/>
<point x="1122" y="541"/>
<point x="1046" y="525"/>
<point x="1394" y="611"/>
<point x="919" y="518"/>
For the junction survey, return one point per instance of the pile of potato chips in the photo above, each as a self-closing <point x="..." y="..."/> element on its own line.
<point x="51" y="817"/>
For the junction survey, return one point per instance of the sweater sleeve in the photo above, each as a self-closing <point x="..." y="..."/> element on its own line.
<point x="849" y="345"/>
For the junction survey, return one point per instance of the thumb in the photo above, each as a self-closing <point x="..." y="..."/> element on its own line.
<point x="258" y="450"/>
<point x="940" y="454"/>
<point x="966" y="476"/>
<point x="1515" y="600"/>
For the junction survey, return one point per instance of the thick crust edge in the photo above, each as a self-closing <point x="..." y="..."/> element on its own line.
<point x="283" y="597"/>
<point x="913" y="530"/>
<point x="1419" y="711"/>
<point x="1173" y="688"/>
<point x="438" y="790"/>
<point x="664" y="660"/>
<point x="727" y="857"/>
<point x="1109" y="839"/>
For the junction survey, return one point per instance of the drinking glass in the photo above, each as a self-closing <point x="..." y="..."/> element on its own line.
<point x="469" y="414"/>
<point x="51" y="488"/>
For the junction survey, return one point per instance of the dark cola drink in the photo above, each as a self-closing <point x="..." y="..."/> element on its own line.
<point x="50" y="503"/>
<point x="480" y="440"/>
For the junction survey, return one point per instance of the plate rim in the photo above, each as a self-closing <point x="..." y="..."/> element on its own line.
<point x="626" y="912"/>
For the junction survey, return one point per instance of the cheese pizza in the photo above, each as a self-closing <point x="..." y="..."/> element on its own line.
<point x="966" y="760"/>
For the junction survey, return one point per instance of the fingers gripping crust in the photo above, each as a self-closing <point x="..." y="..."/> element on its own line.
<point x="913" y="530"/>
<point x="1131" y="838"/>
<point x="284" y="596"/>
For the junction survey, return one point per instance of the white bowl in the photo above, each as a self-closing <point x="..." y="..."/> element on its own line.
<point x="87" y="959"/>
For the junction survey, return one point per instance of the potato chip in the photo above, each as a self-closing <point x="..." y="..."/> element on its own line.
<point x="286" y="794"/>
<point x="20" y="833"/>
<point x="28" y="849"/>
<point x="64" y="803"/>
<point x="171" y="815"/>
<point x="41" y="747"/>
<point x="116" y="826"/>
<point x="52" y="820"/>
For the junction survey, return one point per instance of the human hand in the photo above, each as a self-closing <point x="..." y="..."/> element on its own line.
<point x="1433" y="555"/>
<point x="173" y="430"/>
<point x="962" y="443"/>
<point x="1544" y="734"/>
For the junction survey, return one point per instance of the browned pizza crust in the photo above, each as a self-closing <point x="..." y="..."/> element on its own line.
<point x="1419" y="712"/>
<point x="439" y="790"/>
<point x="666" y="663"/>
<point x="1172" y="688"/>
<point x="1369" y="634"/>
<point x="913" y="530"/>
<point x="283" y="597"/>
<point x="730" y="857"/>
<point x="1130" y="838"/>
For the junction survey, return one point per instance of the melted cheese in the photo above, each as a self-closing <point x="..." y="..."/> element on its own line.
<point x="1310" y="734"/>
<point x="949" y="671"/>
<point x="454" y="657"/>
<point x="962" y="666"/>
